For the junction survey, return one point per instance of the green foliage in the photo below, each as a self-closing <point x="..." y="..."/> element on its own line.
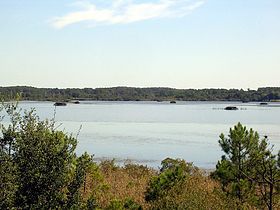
<point x="180" y="185"/>
<point x="172" y="172"/>
<point x="8" y="181"/>
<point x="84" y="166"/>
<point x="45" y="161"/>
<point x="248" y="171"/>
<point x="91" y="204"/>
<point x="266" y="174"/>
<point x="115" y="205"/>
<point x="235" y="165"/>
<point x="135" y="94"/>
<point x="127" y="204"/>
<point x="131" y="205"/>
<point x="39" y="168"/>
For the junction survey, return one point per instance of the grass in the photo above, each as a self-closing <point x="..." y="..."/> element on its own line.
<point x="110" y="183"/>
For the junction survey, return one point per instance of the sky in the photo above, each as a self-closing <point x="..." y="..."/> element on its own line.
<point x="147" y="43"/>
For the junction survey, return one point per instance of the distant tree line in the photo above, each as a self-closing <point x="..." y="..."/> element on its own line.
<point x="140" y="94"/>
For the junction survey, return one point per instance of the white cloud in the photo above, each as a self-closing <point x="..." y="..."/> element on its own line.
<point x="125" y="11"/>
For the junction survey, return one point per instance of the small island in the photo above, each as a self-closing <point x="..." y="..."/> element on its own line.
<point x="231" y="108"/>
<point x="60" y="104"/>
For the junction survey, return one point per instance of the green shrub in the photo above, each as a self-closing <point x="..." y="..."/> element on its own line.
<point x="39" y="168"/>
<point x="173" y="171"/>
<point x="8" y="181"/>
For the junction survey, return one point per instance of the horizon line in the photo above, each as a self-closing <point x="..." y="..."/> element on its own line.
<point x="139" y="87"/>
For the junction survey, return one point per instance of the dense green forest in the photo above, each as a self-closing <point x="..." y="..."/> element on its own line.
<point x="39" y="169"/>
<point x="142" y="94"/>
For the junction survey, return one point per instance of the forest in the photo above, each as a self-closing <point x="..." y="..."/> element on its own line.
<point x="140" y="94"/>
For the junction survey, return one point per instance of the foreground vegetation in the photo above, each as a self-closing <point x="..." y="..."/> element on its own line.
<point x="39" y="169"/>
<point x="143" y="94"/>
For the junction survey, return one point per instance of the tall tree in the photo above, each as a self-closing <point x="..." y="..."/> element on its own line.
<point x="234" y="166"/>
<point x="249" y="170"/>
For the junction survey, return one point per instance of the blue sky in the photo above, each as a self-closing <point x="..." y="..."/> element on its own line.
<point x="167" y="43"/>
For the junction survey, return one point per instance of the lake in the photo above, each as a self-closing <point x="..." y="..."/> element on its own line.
<point x="148" y="132"/>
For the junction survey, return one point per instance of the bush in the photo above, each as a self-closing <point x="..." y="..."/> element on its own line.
<point x="180" y="185"/>
<point x="172" y="172"/>
<point x="39" y="168"/>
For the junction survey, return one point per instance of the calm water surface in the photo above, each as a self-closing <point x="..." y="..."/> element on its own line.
<point x="148" y="132"/>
